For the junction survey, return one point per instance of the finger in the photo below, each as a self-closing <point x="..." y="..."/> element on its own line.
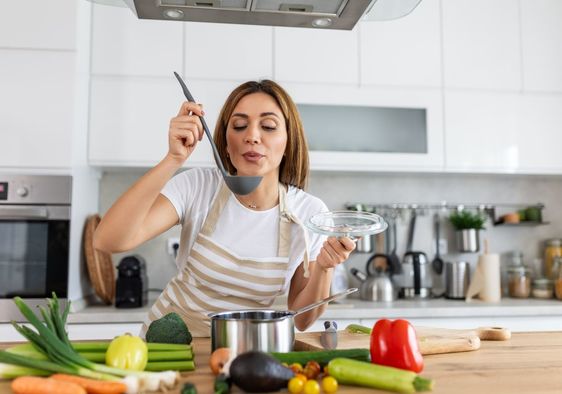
<point x="186" y="136"/>
<point x="184" y="121"/>
<point x="347" y="243"/>
<point x="188" y="107"/>
<point x="331" y="251"/>
<point x="338" y="251"/>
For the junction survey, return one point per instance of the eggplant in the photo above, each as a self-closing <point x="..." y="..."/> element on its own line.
<point x="258" y="372"/>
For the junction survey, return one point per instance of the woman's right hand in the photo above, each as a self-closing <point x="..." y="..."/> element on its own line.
<point x="185" y="131"/>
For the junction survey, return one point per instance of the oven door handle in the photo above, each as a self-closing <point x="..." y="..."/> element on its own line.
<point x="19" y="213"/>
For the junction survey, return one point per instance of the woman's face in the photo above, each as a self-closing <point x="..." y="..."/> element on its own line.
<point x="256" y="136"/>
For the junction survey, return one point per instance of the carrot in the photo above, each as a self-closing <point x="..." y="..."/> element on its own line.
<point x="36" y="385"/>
<point x="218" y="358"/>
<point x="93" y="386"/>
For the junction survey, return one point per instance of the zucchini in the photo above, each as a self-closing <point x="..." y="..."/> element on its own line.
<point x="357" y="373"/>
<point x="322" y="357"/>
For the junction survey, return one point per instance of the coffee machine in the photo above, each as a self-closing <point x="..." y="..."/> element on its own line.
<point x="131" y="290"/>
<point x="416" y="280"/>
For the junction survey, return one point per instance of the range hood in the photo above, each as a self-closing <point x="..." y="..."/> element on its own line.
<point x="323" y="14"/>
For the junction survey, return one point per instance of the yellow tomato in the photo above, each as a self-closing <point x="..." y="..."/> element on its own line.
<point x="329" y="385"/>
<point x="295" y="385"/>
<point x="127" y="352"/>
<point x="311" y="387"/>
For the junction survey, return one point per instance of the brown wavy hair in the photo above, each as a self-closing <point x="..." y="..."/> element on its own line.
<point x="294" y="166"/>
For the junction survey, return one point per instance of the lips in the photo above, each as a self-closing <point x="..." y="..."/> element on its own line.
<point x="252" y="156"/>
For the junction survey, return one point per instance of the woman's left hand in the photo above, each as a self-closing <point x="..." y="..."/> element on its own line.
<point x="335" y="251"/>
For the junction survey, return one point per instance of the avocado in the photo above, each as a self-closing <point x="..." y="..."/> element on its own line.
<point x="169" y="328"/>
<point x="258" y="372"/>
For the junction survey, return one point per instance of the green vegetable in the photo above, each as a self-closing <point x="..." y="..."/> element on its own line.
<point x="183" y="365"/>
<point x="168" y="329"/>
<point x="358" y="329"/>
<point x="258" y="372"/>
<point x="51" y="340"/>
<point x="322" y="357"/>
<point x="358" y="373"/>
<point x="222" y="384"/>
<point x="464" y="220"/>
<point x="188" y="388"/>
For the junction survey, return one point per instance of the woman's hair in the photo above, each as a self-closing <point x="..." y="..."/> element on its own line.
<point x="293" y="169"/>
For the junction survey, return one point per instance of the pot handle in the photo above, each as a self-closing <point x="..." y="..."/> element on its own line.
<point x="323" y="301"/>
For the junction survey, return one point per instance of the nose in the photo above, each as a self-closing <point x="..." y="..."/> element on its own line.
<point x="252" y="135"/>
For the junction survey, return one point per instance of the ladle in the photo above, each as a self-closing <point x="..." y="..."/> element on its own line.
<point x="237" y="184"/>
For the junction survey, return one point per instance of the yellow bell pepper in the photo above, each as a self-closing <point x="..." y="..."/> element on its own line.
<point x="127" y="352"/>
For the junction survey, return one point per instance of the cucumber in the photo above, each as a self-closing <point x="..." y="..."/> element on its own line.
<point x="322" y="357"/>
<point x="357" y="373"/>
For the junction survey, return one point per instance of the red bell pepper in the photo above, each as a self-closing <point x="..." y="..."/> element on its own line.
<point x="394" y="343"/>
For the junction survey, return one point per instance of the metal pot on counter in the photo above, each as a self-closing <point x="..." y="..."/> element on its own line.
<point x="256" y="329"/>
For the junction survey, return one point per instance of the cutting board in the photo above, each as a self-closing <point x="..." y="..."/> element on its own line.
<point x="431" y="340"/>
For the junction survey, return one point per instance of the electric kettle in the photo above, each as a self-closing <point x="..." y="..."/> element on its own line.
<point x="416" y="279"/>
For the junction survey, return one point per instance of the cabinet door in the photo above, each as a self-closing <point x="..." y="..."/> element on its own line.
<point x="226" y="51"/>
<point x="307" y="55"/>
<point x="481" y="131"/>
<point x="38" y="24"/>
<point x="129" y="119"/>
<point x="332" y="158"/>
<point x="403" y="52"/>
<point x="541" y="33"/>
<point x="125" y="45"/>
<point x="481" y="46"/>
<point x="36" y="108"/>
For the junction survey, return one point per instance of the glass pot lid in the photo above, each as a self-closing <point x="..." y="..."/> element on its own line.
<point x="351" y="224"/>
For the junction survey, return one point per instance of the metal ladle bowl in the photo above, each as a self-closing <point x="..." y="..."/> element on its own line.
<point x="237" y="184"/>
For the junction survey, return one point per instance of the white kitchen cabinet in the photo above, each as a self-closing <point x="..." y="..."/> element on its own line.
<point x="129" y="119"/>
<point x="404" y="52"/>
<point x="36" y="108"/>
<point x="332" y="158"/>
<point x="38" y="24"/>
<point x="125" y="45"/>
<point x="79" y="332"/>
<point x="228" y="51"/>
<point x="316" y="56"/>
<point x="503" y="132"/>
<point x="481" y="45"/>
<point x="541" y="34"/>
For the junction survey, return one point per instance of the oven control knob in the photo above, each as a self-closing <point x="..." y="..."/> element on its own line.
<point x="22" y="191"/>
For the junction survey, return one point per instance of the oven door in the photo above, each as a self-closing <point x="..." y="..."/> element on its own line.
<point x="34" y="247"/>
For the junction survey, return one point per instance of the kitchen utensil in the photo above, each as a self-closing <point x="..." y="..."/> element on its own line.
<point x="329" y="337"/>
<point x="416" y="276"/>
<point x="375" y="287"/>
<point x="264" y="330"/>
<point x="437" y="262"/>
<point x="379" y="259"/>
<point x="411" y="229"/>
<point x="100" y="264"/>
<point x="365" y="244"/>
<point x="393" y="259"/>
<point x="351" y="224"/>
<point x="457" y="276"/>
<point x="430" y="339"/>
<point x="236" y="183"/>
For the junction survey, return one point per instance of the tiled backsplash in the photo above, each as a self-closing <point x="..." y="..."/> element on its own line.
<point x="335" y="189"/>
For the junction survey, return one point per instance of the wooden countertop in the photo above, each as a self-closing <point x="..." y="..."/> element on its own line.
<point x="527" y="363"/>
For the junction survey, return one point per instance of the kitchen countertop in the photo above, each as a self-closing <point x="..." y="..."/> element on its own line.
<point x="527" y="363"/>
<point x="356" y="309"/>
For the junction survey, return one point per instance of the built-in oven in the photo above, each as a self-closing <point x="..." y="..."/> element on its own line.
<point x="34" y="239"/>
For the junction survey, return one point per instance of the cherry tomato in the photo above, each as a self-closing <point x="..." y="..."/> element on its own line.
<point x="313" y="365"/>
<point x="296" y="367"/>
<point x="329" y="385"/>
<point x="311" y="387"/>
<point x="295" y="385"/>
<point x="302" y="377"/>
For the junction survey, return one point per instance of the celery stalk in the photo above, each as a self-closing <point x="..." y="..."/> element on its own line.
<point x="170" y="365"/>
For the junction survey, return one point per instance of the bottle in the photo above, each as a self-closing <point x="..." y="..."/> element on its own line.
<point x="557" y="268"/>
<point x="519" y="281"/>
<point x="553" y="248"/>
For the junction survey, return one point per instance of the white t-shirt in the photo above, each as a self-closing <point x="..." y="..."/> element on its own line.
<point x="243" y="231"/>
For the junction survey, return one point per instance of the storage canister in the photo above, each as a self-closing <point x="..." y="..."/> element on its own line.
<point x="553" y="249"/>
<point x="519" y="281"/>
<point x="542" y="288"/>
<point x="457" y="276"/>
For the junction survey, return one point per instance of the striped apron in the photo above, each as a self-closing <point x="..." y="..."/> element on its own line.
<point x="215" y="279"/>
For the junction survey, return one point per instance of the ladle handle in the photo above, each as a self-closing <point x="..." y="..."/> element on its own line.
<point x="190" y="98"/>
<point x="325" y="300"/>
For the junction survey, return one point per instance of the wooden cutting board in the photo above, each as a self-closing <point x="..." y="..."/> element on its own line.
<point x="431" y="340"/>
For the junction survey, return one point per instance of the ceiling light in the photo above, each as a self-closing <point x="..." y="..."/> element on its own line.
<point x="322" y="22"/>
<point x="173" y="13"/>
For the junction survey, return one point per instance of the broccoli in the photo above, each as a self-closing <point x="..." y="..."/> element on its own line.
<point x="169" y="329"/>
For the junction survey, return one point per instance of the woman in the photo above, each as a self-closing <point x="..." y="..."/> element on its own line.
<point x="236" y="251"/>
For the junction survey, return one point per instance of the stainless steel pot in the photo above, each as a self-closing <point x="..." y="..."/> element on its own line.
<point x="256" y="329"/>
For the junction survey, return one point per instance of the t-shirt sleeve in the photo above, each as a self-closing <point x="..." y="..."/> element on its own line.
<point x="176" y="190"/>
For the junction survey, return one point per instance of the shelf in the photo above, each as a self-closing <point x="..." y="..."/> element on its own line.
<point x="527" y="223"/>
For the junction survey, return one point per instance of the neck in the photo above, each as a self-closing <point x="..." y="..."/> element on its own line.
<point x="265" y="196"/>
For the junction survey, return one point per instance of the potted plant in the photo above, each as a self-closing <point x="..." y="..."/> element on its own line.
<point x="467" y="225"/>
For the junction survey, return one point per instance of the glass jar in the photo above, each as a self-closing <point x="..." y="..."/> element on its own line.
<point x="553" y="248"/>
<point x="557" y="268"/>
<point x="543" y="288"/>
<point x="519" y="282"/>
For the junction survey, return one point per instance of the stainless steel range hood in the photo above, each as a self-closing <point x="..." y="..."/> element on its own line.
<point x="324" y="14"/>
